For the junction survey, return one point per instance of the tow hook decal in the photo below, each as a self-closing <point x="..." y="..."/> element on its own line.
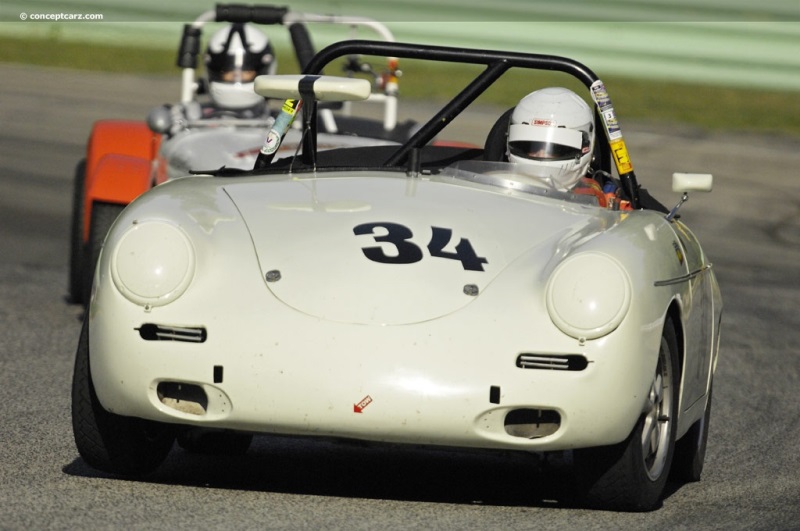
<point x="358" y="408"/>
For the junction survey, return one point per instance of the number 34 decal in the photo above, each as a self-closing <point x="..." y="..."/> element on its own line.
<point x="407" y="252"/>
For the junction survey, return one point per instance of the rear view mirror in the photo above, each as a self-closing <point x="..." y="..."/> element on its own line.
<point x="324" y="88"/>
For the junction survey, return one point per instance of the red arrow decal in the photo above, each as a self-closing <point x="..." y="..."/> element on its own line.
<point x="358" y="408"/>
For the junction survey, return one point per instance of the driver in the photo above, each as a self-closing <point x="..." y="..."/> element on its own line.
<point x="235" y="55"/>
<point x="552" y="129"/>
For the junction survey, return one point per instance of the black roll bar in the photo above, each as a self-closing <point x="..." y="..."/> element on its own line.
<point x="189" y="47"/>
<point x="496" y="62"/>
<point x="260" y="14"/>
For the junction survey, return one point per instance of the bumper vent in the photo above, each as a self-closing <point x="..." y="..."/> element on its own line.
<point x="532" y="423"/>
<point x="552" y="362"/>
<point x="157" y="332"/>
<point x="183" y="397"/>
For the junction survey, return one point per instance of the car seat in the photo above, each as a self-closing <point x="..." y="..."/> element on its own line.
<point x="494" y="149"/>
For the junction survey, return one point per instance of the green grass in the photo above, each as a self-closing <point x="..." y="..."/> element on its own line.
<point x="706" y="107"/>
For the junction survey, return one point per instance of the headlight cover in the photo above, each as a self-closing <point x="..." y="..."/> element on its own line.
<point x="153" y="263"/>
<point x="588" y="295"/>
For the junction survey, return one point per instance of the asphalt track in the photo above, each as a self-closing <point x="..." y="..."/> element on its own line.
<point x="750" y="226"/>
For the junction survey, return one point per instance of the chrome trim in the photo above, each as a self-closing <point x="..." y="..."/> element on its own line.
<point x="682" y="278"/>
<point x="158" y="332"/>
<point x="553" y="362"/>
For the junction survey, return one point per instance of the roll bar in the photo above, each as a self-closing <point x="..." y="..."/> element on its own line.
<point x="497" y="63"/>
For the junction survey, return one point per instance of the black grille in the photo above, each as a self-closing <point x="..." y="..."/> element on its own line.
<point x="158" y="332"/>
<point x="552" y="362"/>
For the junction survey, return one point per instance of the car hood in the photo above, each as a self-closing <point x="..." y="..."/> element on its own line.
<point x="393" y="250"/>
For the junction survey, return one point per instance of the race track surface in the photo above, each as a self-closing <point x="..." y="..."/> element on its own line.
<point x="750" y="227"/>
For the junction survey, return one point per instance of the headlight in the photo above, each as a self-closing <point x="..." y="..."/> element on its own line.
<point x="153" y="263"/>
<point x="588" y="295"/>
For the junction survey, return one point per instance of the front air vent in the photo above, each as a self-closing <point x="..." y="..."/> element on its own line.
<point x="552" y="362"/>
<point x="532" y="423"/>
<point x="184" y="397"/>
<point x="159" y="332"/>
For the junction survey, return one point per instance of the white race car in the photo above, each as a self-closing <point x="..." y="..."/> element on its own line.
<point x="411" y="293"/>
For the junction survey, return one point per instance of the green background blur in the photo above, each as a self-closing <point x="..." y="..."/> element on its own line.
<point x="716" y="64"/>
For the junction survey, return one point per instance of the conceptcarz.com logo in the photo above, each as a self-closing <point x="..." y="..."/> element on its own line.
<point x="56" y="17"/>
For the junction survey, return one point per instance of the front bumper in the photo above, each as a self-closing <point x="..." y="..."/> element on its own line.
<point x="454" y="381"/>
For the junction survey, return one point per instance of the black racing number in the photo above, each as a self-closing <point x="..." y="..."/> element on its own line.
<point x="464" y="251"/>
<point x="407" y="252"/>
<point x="397" y="235"/>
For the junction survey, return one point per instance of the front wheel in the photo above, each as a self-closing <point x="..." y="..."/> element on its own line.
<point x="690" y="450"/>
<point x="76" y="247"/>
<point x="112" y="443"/>
<point x="631" y="476"/>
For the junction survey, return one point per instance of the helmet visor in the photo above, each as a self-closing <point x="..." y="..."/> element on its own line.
<point x="542" y="150"/>
<point x="547" y="143"/>
<point x="232" y="75"/>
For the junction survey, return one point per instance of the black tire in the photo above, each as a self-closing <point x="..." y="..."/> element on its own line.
<point x="631" y="476"/>
<point x="103" y="216"/>
<point x="215" y="442"/>
<point x="690" y="450"/>
<point x="112" y="443"/>
<point x="76" y="250"/>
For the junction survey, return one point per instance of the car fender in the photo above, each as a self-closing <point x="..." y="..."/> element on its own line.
<point x="117" y="179"/>
<point x="124" y="137"/>
<point x="120" y="137"/>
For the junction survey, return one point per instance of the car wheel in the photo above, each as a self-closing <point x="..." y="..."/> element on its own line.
<point x="103" y="216"/>
<point x="76" y="250"/>
<point x="690" y="450"/>
<point x="112" y="443"/>
<point x="215" y="442"/>
<point x="631" y="476"/>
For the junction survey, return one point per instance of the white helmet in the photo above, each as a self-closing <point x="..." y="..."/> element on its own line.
<point x="553" y="129"/>
<point x="234" y="57"/>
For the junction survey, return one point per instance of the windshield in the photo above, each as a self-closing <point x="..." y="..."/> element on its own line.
<point x="521" y="178"/>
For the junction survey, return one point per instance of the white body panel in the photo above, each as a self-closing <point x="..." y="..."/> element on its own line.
<point x="308" y="335"/>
